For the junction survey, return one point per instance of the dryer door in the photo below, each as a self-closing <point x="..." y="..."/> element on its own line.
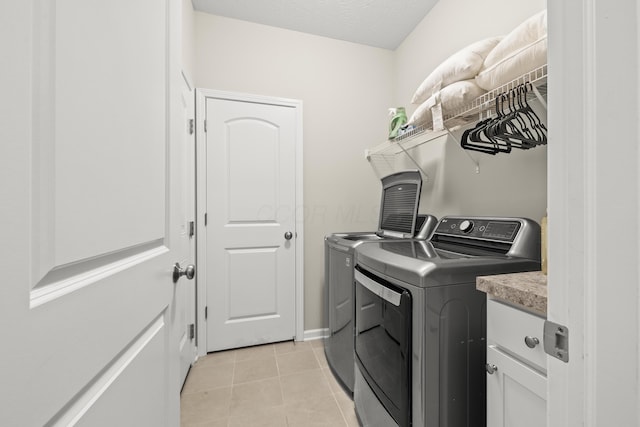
<point x="383" y="342"/>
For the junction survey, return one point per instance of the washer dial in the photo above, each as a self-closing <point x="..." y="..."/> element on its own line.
<point x="466" y="226"/>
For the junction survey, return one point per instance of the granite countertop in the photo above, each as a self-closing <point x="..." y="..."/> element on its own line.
<point x="525" y="290"/>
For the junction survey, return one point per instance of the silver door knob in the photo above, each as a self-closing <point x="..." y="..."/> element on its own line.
<point x="189" y="271"/>
<point x="531" y="342"/>
<point x="288" y="235"/>
<point x="491" y="368"/>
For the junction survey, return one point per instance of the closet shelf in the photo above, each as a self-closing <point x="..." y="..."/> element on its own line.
<point x="469" y="113"/>
<point x="382" y="156"/>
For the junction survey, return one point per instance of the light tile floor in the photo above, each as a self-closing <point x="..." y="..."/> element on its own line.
<point x="274" y="385"/>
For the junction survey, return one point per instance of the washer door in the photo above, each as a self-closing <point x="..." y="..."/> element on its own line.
<point x="383" y="342"/>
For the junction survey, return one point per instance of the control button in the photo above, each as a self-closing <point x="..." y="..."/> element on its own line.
<point x="466" y="226"/>
<point x="482" y="228"/>
<point x="453" y="226"/>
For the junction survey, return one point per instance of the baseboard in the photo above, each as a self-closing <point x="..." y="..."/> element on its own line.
<point x="315" y="334"/>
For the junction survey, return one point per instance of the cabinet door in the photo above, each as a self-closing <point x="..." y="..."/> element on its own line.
<point x="516" y="393"/>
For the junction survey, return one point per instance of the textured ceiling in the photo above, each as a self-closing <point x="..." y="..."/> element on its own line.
<point x="379" y="23"/>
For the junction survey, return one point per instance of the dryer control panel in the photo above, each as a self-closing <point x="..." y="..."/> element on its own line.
<point x="479" y="228"/>
<point x="493" y="233"/>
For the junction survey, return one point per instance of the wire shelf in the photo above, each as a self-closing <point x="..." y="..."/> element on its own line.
<point x="470" y="112"/>
<point x="467" y="114"/>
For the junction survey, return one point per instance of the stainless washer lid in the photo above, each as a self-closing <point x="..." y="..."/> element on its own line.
<point x="399" y="204"/>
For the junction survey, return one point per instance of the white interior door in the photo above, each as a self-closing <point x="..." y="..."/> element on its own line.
<point x="90" y="213"/>
<point x="251" y="230"/>
<point x="185" y="290"/>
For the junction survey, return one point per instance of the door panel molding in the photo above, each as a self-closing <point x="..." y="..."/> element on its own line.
<point x="66" y="279"/>
<point x="116" y="370"/>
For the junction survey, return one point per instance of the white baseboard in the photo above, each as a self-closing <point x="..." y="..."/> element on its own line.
<point x="315" y="334"/>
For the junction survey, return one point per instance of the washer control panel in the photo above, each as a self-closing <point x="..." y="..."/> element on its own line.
<point x="479" y="228"/>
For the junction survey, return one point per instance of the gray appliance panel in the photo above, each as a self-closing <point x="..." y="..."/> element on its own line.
<point x="338" y="346"/>
<point x="449" y="318"/>
<point x="518" y="237"/>
<point x="339" y="295"/>
<point x="450" y="337"/>
<point x="421" y="264"/>
<point x="375" y="414"/>
<point x="399" y="204"/>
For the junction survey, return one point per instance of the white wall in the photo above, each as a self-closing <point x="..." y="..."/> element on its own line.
<point x="507" y="184"/>
<point x="188" y="39"/>
<point x="346" y="89"/>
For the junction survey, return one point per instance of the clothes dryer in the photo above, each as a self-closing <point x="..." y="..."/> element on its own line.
<point x="421" y="324"/>
<point x="339" y="252"/>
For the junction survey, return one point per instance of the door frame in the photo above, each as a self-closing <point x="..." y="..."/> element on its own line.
<point x="201" y="203"/>
<point x="593" y="267"/>
<point x="190" y="174"/>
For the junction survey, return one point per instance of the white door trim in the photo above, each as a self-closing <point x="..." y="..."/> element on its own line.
<point x="594" y="184"/>
<point x="201" y="194"/>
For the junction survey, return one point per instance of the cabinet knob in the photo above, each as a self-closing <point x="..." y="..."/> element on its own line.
<point x="491" y="368"/>
<point x="531" y="342"/>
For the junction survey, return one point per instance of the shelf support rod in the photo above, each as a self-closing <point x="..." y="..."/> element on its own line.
<point x="539" y="96"/>
<point x="465" y="151"/>
<point x="414" y="162"/>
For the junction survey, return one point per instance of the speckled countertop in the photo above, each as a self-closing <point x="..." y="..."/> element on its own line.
<point x="526" y="290"/>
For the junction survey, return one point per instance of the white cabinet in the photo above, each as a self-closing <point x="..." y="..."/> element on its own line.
<point x="516" y="368"/>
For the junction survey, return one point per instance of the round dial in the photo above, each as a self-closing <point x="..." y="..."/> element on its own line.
<point x="466" y="226"/>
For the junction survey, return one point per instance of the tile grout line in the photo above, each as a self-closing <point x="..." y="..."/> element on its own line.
<point x="334" y="393"/>
<point x="344" y="418"/>
<point x="284" y="411"/>
<point x="275" y="355"/>
<point x="233" y="379"/>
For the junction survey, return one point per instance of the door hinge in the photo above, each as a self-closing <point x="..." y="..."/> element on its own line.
<point x="205" y="125"/>
<point x="191" y="125"/>
<point x="192" y="228"/>
<point x="206" y="312"/>
<point x="205" y="219"/>
<point x="556" y="340"/>
<point x="192" y="331"/>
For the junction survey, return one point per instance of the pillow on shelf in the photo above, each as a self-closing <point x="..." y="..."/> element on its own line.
<point x="462" y="65"/>
<point x="522" y="50"/>
<point x="422" y="116"/>
<point x="450" y="97"/>
<point x="458" y="94"/>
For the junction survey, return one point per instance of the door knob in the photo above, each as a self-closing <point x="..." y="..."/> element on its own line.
<point x="531" y="342"/>
<point x="288" y="235"/>
<point x="189" y="271"/>
<point x="491" y="368"/>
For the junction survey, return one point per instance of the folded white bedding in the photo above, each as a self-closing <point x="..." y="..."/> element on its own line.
<point x="462" y="65"/>
<point x="449" y="97"/>
<point x="522" y="50"/>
